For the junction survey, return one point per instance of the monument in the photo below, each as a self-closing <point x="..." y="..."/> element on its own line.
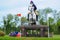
<point x="33" y="29"/>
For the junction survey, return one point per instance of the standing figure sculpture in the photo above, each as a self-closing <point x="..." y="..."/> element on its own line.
<point x="32" y="14"/>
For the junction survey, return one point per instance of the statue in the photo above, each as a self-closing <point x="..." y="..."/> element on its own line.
<point x="32" y="14"/>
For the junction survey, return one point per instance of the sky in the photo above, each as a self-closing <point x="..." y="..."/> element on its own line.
<point x="21" y="6"/>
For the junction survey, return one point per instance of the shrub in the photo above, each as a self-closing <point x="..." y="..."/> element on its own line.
<point x="2" y="33"/>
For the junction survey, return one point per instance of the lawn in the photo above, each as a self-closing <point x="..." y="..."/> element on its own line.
<point x="55" y="37"/>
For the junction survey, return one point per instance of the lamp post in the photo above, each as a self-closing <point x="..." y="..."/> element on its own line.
<point x="19" y="15"/>
<point x="48" y="27"/>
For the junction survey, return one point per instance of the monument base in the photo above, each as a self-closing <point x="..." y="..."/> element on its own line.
<point x="35" y="30"/>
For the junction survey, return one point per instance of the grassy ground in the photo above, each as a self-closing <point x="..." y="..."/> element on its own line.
<point x="55" y="37"/>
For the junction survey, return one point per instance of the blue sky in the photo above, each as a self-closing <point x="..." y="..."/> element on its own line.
<point x="21" y="6"/>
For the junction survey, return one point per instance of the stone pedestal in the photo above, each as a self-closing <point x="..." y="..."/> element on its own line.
<point x="42" y="29"/>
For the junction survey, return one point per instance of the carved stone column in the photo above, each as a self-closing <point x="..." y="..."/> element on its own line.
<point x="41" y="32"/>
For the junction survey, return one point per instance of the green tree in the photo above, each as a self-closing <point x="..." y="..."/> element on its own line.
<point x="51" y="24"/>
<point x="47" y="11"/>
<point x="23" y="20"/>
<point x="58" y="26"/>
<point x="7" y="23"/>
<point x="51" y="21"/>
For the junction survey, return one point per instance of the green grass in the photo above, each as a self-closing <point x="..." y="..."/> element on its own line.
<point x="55" y="37"/>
